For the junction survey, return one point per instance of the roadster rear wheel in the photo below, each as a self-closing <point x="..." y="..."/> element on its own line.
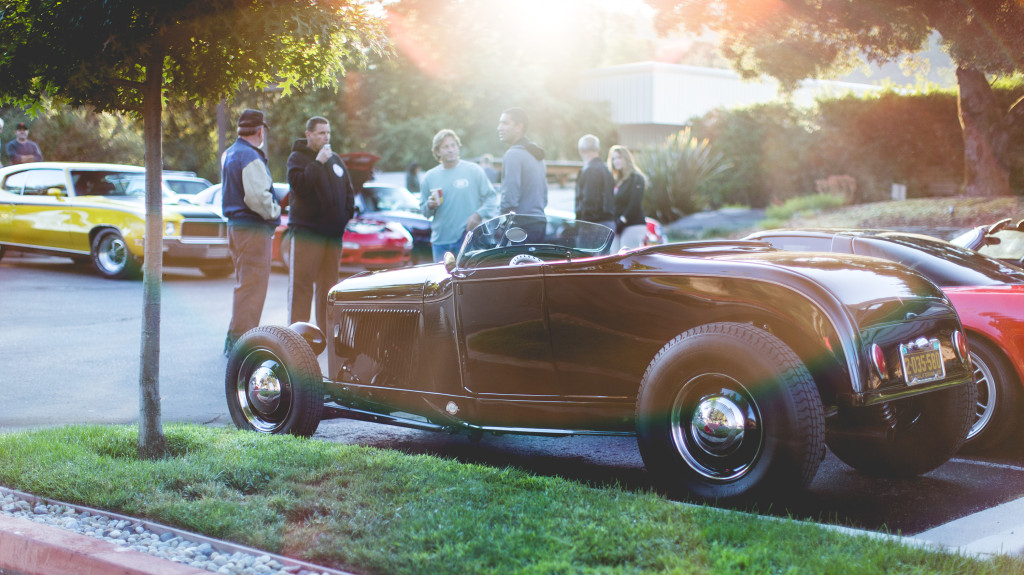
<point x="912" y="436"/>
<point x="273" y="383"/>
<point x="728" y="409"/>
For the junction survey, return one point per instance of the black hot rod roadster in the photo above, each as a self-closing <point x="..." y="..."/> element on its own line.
<point x="733" y="363"/>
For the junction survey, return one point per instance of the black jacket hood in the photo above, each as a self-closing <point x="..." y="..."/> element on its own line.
<point x="535" y="150"/>
<point x="302" y="145"/>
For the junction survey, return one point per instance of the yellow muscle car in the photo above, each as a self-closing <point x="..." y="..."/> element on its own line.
<point x="96" y="212"/>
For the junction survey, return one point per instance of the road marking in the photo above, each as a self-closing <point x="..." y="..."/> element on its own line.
<point x="989" y="464"/>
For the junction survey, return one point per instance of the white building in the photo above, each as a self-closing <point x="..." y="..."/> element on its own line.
<point x="651" y="100"/>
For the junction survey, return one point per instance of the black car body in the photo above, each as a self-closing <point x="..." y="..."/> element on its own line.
<point x="728" y="360"/>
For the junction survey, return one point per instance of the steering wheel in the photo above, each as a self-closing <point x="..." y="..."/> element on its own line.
<point x="524" y="259"/>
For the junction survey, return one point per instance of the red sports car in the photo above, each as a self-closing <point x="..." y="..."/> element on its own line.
<point x="368" y="244"/>
<point x="988" y="295"/>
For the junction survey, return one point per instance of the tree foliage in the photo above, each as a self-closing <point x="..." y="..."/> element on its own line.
<point x="676" y="172"/>
<point x="796" y="39"/>
<point x="81" y="134"/>
<point x="504" y="54"/>
<point x="124" y="55"/>
<point x="765" y="145"/>
<point x="96" y="52"/>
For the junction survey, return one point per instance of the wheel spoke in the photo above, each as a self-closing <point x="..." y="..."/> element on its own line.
<point x="985" y="405"/>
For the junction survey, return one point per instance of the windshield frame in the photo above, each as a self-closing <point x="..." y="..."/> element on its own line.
<point x="554" y="237"/>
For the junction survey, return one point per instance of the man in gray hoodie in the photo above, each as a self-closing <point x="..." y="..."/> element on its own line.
<point x="524" y="182"/>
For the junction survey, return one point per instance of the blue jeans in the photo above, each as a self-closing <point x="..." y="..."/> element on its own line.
<point x="439" y="250"/>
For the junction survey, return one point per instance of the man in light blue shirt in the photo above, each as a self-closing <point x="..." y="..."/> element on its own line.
<point x="456" y="194"/>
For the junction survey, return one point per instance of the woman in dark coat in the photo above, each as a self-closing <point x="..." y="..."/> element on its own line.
<point x="412" y="178"/>
<point x="630" y="182"/>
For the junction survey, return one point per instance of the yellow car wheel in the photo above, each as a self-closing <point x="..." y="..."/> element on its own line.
<point x="111" y="257"/>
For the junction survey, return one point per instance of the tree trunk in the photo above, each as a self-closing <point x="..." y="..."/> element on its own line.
<point x="986" y="137"/>
<point x="152" y="443"/>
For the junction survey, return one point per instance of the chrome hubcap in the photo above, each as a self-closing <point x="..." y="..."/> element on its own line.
<point x="263" y="391"/>
<point x="716" y="427"/>
<point x="113" y="253"/>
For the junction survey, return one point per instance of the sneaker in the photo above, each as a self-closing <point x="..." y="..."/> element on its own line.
<point x="229" y="344"/>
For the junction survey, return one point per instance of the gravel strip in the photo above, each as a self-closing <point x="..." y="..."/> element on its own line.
<point x="199" y="552"/>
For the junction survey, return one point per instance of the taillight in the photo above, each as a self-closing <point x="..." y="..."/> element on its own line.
<point x="960" y="345"/>
<point x="878" y="360"/>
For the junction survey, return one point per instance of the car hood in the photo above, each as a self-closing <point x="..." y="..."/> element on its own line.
<point x="410" y="284"/>
<point x="137" y="204"/>
<point x="411" y="220"/>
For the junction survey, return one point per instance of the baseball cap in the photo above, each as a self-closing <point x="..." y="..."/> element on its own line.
<point x="21" y="126"/>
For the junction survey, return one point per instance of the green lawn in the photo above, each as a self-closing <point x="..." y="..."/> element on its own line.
<point x="378" y="511"/>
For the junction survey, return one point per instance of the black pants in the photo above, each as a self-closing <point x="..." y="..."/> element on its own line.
<point x="313" y="272"/>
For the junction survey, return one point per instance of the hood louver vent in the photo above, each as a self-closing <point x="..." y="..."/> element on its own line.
<point x="376" y="344"/>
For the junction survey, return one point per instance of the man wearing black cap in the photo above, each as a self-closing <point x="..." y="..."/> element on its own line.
<point x="253" y="212"/>
<point x="321" y="202"/>
<point x="21" y="150"/>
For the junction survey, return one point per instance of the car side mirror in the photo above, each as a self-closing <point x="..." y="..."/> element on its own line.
<point x="449" y="261"/>
<point x="55" y="192"/>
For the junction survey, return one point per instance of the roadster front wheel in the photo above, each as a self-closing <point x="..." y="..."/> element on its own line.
<point x="727" y="409"/>
<point x="273" y="383"/>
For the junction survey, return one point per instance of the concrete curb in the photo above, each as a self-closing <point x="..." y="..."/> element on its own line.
<point x="28" y="548"/>
<point x="46" y="549"/>
<point x="997" y="530"/>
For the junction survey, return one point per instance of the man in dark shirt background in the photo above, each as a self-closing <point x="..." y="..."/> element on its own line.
<point x="21" y="150"/>
<point x="595" y="187"/>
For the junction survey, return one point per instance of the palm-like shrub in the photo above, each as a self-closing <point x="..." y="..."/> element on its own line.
<point x="675" y="174"/>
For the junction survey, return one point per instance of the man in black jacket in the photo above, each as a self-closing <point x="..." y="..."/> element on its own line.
<point x="595" y="187"/>
<point x="322" y="201"/>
